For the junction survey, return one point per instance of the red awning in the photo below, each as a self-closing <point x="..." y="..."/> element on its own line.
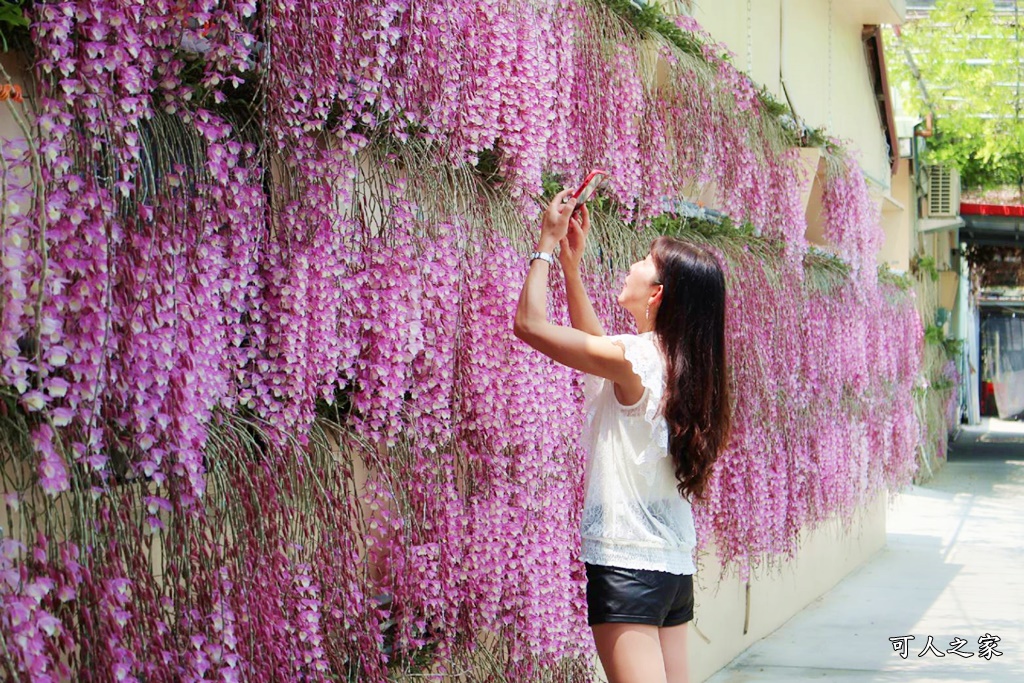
<point x="990" y="210"/>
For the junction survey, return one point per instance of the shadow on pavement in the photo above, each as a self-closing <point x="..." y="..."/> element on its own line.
<point x="993" y="440"/>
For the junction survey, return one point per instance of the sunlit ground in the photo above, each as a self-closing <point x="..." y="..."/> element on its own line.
<point x="953" y="569"/>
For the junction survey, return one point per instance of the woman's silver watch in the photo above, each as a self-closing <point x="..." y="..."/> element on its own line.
<point x="543" y="256"/>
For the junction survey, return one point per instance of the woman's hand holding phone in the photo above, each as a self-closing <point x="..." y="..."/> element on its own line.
<point x="566" y="221"/>
<point x="555" y="224"/>
<point x="571" y="246"/>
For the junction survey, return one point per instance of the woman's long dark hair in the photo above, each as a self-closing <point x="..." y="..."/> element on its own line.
<point x="690" y="325"/>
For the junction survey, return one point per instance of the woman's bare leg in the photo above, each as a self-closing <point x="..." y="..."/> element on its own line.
<point x="673" y="651"/>
<point x="630" y="653"/>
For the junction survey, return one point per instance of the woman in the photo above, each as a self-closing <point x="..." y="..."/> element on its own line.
<point x="670" y="378"/>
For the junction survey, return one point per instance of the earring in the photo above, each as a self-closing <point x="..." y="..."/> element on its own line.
<point x="647" y="314"/>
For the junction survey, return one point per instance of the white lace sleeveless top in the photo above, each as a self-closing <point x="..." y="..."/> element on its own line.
<point x="633" y="515"/>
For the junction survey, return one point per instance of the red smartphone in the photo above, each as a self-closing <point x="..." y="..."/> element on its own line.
<point x="587" y="188"/>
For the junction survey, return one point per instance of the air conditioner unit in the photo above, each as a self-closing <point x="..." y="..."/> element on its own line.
<point x="943" y="191"/>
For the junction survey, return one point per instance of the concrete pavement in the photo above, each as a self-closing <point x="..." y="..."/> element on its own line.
<point x="953" y="568"/>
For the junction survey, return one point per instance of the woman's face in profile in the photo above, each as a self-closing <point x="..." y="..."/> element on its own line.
<point x="637" y="288"/>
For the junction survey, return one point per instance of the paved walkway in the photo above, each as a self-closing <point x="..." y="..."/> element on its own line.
<point x="953" y="568"/>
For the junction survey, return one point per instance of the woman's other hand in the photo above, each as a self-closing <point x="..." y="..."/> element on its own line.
<point x="575" y="241"/>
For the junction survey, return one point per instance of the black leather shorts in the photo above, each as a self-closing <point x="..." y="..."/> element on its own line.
<point x="638" y="596"/>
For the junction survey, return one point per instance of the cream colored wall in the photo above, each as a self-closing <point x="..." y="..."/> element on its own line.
<point x="896" y="221"/>
<point x="826" y="555"/>
<point x="793" y="37"/>
<point x="756" y="51"/>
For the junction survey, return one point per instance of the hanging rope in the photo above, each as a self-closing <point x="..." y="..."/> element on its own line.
<point x="750" y="39"/>
<point x="828" y="91"/>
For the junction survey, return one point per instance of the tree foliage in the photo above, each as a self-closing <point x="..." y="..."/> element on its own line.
<point x="961" y="63"/>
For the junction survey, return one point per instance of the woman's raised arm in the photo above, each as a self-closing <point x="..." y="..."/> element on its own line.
<point x="593" y="354"/>
<point x="570" y="253"/>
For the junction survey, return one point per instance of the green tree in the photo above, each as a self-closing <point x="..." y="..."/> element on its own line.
<point x="961" y="63"/>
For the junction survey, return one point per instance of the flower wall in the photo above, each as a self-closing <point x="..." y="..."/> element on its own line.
<point x="263" y="415"/>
